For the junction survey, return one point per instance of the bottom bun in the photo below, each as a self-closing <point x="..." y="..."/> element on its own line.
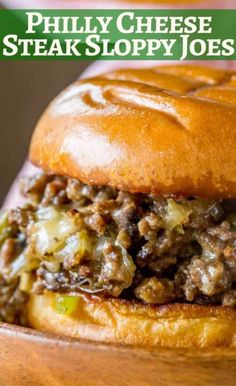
<point x="132" y="323"/>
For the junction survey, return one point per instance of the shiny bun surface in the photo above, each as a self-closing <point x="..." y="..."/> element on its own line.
<point x="119" y="321"/>
<point x="167" y="130"/>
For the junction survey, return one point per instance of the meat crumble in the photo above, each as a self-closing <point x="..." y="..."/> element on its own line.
<point x="72" y="237"/>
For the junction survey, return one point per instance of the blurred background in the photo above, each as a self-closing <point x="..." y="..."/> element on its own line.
<point x="26" y="89"/>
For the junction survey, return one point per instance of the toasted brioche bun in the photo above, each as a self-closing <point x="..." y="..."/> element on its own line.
<point x="165" y="130"/>
<point x="130" y="322"/>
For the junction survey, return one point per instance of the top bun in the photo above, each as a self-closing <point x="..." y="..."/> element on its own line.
<point x="167" y="130"/>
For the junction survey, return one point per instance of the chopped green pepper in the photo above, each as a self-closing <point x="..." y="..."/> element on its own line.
<point x="66" y="304"/>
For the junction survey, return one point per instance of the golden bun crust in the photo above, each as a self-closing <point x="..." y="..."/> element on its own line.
<point x="163" y="130"/>
<point x="120" y="321"/>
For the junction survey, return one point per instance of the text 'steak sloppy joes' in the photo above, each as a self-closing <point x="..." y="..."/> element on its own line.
<point x="129" y="233"/>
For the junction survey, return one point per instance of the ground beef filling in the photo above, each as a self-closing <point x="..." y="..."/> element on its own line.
<point x="72" y="237"/>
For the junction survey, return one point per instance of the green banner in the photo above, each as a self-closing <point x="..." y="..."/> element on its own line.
<point x="118" y="34"/>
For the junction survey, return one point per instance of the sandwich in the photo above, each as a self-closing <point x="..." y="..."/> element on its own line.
<point x="128" y="232"/>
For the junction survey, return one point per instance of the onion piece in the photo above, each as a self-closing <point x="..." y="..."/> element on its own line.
<point x="26" y="282"/>
<point x="77" y="246"/>
<point x="49" y="233"/>
<point x="177" y="215"/>
<point x="5" y="230"/>
<point x="23" y="263"/>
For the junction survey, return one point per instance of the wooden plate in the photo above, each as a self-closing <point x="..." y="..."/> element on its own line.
<point x="28" y="358"/>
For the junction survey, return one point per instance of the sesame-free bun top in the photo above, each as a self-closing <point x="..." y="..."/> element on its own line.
<point x="168" y="130"/>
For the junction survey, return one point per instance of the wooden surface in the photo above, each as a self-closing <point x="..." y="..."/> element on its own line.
<point x="30" y="358"/>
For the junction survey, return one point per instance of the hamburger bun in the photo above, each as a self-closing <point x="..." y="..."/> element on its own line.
<point x="133" y="323"/>
<point x="167" y="130"/>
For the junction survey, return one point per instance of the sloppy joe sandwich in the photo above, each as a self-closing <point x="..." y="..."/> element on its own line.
<point x="128" y="232"/>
